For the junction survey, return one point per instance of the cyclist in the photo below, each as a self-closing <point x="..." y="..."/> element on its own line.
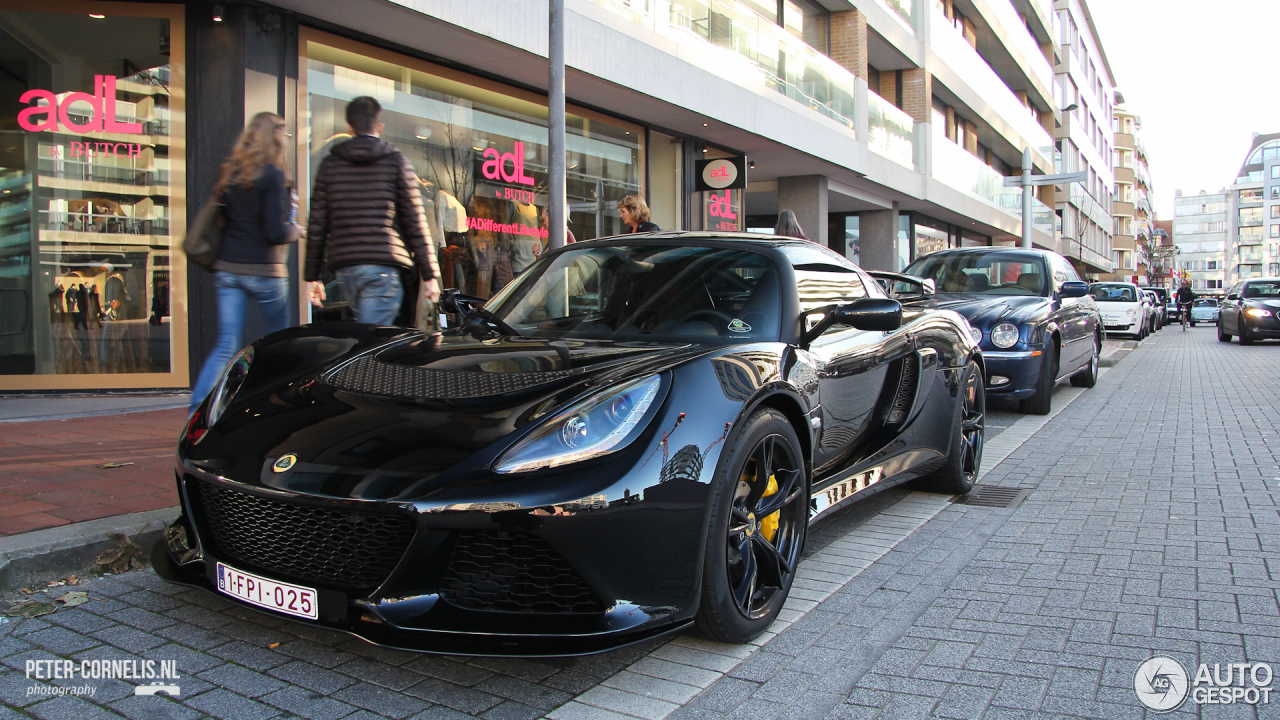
<point x="1185" y="298"/>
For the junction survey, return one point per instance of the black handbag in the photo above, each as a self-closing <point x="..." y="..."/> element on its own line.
<point x="203" y="243"/>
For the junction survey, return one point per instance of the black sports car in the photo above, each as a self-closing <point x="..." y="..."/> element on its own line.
<point x="1251" y="311"/>
<point x="632" y="436"/>
<point x="1028" y="309"/>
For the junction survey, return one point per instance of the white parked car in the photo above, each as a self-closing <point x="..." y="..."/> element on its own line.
<point x="1123" y="312"/>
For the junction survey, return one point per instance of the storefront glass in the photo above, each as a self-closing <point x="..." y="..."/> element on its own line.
<point x="480" y="151"/>
<point x="92" y="196"/>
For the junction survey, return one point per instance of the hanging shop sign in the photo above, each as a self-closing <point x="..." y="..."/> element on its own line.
<point x="721" y="174"/>
<point x="55" y="112"/>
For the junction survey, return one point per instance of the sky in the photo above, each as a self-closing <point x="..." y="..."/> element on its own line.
<point x="1197" y="74"/>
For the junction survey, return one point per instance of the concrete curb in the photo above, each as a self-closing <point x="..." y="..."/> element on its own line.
<point x="92" y="413"/>
<point x="1113" y="358"/>
<point x="35" y="557"/>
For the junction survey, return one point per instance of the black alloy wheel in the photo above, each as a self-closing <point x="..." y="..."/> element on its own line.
<point x="964" y="460"/>
<point x="759" y="518"/>
<point x="1088" y="377"/>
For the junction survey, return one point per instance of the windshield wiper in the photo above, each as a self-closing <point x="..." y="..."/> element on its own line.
<point x="492" y="319"/>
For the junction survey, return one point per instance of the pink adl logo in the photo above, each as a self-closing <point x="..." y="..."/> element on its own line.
<point x="495" y="165"/>
<point x="46" y="117"/>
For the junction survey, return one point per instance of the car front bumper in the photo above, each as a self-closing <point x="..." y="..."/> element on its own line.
<point x="635" y="558"/>
<point x="1022" y="367"/>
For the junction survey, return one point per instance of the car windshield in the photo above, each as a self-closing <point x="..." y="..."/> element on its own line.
<point x="995" y="273"/>
<point x="1113" y="292"/>
<point x="1206" y="302"/>
<point x="1262" y="290"/>
<point x="645" y="293"/>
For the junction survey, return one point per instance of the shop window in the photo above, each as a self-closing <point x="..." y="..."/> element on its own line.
<point x="480" y="153"/>
<point x="91" y="206"/>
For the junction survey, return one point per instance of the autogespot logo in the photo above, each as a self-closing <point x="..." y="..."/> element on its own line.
<point x="1161" y="684"/>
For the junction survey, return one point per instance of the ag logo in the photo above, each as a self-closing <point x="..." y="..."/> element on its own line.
<point x="1161" y="684"/>
<point x="738" y="326"/>
<point x="284" y="463"/>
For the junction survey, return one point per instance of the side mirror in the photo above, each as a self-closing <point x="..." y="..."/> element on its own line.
<point x="1074" y="289"/>
<point x="930" y="287"/>
<point x="864" y="314"/>
<point x="1233" y="296"/>
<point x="455" y="302"/>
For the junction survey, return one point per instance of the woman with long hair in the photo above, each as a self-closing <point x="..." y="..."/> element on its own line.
<point x="788" y="226"/>
<point x="635" y="214"/>
<point x="253" y="187"/>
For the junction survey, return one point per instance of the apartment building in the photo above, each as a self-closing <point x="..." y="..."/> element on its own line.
<point x="1085" y="87"/>
<point x="888" y="126"/>
<point x="1254" y="248"/>
<point x="1133" y="218"/>
<point x="1201" y="229"/>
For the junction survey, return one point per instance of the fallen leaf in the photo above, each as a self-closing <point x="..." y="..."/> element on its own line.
<point x="123" y="557"/>
<point x="27" y="590"/>
<point x="74" y="598"/>
<point x="73" y="580"/>
<point x="31" y="609"/>
<point x="110" y="466"/>
<point x="56" y="583"/>
<point x="274" y="645"/>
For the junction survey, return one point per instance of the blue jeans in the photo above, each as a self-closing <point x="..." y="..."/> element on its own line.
<point x="373" y="292"/>
<point x="234" y="293"/>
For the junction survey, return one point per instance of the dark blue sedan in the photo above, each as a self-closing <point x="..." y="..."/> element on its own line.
<point x="1036" y="323"/>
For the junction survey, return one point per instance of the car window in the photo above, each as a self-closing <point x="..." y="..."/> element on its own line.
<point x="1113" y="292"/>
<point x="645" y="293"/>
<point x="995" y="273"/>
<point x="1261" y="290"/>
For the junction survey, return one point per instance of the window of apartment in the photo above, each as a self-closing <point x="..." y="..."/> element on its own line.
<point x="1251" y="215"/>
<point x="807" y="21"/>
<point x="1251" y="235"/>
<point x="1275" y="172"/>
<point x="1213" y="284"/>
<point x="1275" y="191"/>
<point x="1213" y="265"/>
<point x="1275" y="211"/>
<point x="1275" y="231"/>
<point x="1248" y="197"/>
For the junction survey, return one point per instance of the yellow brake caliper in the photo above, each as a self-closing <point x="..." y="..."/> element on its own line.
<point x="769" y="525"/>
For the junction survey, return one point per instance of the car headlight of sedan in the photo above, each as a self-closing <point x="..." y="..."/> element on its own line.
<point x="975" y="333"/>
<point x="225" y="391"/>
<point x="595" y="426"/>
<point x="1257" y="312"/>
<point x="1004" y="335"/>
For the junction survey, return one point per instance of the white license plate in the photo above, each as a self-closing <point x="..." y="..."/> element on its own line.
<point x="270" y="594"/>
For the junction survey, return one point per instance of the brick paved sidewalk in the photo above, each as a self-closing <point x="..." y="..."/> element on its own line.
<point x="49" y="474"/>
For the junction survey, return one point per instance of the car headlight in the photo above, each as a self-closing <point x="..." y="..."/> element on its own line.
<point x="1004" y="335"/>
<point x="1257" y="312"/>
<point x="595" y="426"/>
<point x="229" y="385"/>
<point x="975" y="333"/>
<point x="1132" y="312"/>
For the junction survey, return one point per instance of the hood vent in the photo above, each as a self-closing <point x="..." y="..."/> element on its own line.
<point x="369" y="376"/>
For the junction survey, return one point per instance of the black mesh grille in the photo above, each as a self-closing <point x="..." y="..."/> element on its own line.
<point x="367" y="375"/>
<point x="303" y="542"/>
<point x="514" y="572"/>
<point x="906" y="393"/>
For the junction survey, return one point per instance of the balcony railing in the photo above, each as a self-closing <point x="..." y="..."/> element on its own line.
<point x="955" y="167"/>
<point x="967" y="64"/>
<point x="891" y="131"/>
<point x="1021" y="38"/>
<point x="101" y="223"/>
<point x="746" y="48"/>
<point x="902" y="9"/>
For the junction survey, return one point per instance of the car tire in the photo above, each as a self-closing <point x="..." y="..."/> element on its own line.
<point x="1191" y="323"/>
<point x="1041" y="402"/>
<point x="1244" y="337"/>
<point x="1222" y="336"/>
<point x="748" y="567"/>
<point x="964" y="458"/>
<point x="1088" y="377"/>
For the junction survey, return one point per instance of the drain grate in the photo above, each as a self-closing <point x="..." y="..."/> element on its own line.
<point x="994" y="496"/>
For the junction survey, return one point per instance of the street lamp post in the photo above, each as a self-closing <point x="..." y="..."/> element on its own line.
<point x="555" y="125"/>
<point x="1026" y="181"/>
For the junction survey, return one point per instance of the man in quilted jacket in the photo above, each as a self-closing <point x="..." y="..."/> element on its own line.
<point x="367" y="221"/>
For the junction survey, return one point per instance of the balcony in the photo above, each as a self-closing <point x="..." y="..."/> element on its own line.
<point x="952" y="49"/>
<point x="891" y="131"/>
<point x="748" y="49"/>
<point x="955" y="167"/>
<point x="901" y="9"/>
<point x="1012" y="33"/>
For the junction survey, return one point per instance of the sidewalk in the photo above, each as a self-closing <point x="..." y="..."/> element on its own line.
<point x="49" y="474"/>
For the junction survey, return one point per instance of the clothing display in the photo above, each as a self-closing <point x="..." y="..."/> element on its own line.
<point x="482" y="255"/>
<point x="435" y="231"/>
<point x="502" y="272"/>
<point x="453" y="216"/>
